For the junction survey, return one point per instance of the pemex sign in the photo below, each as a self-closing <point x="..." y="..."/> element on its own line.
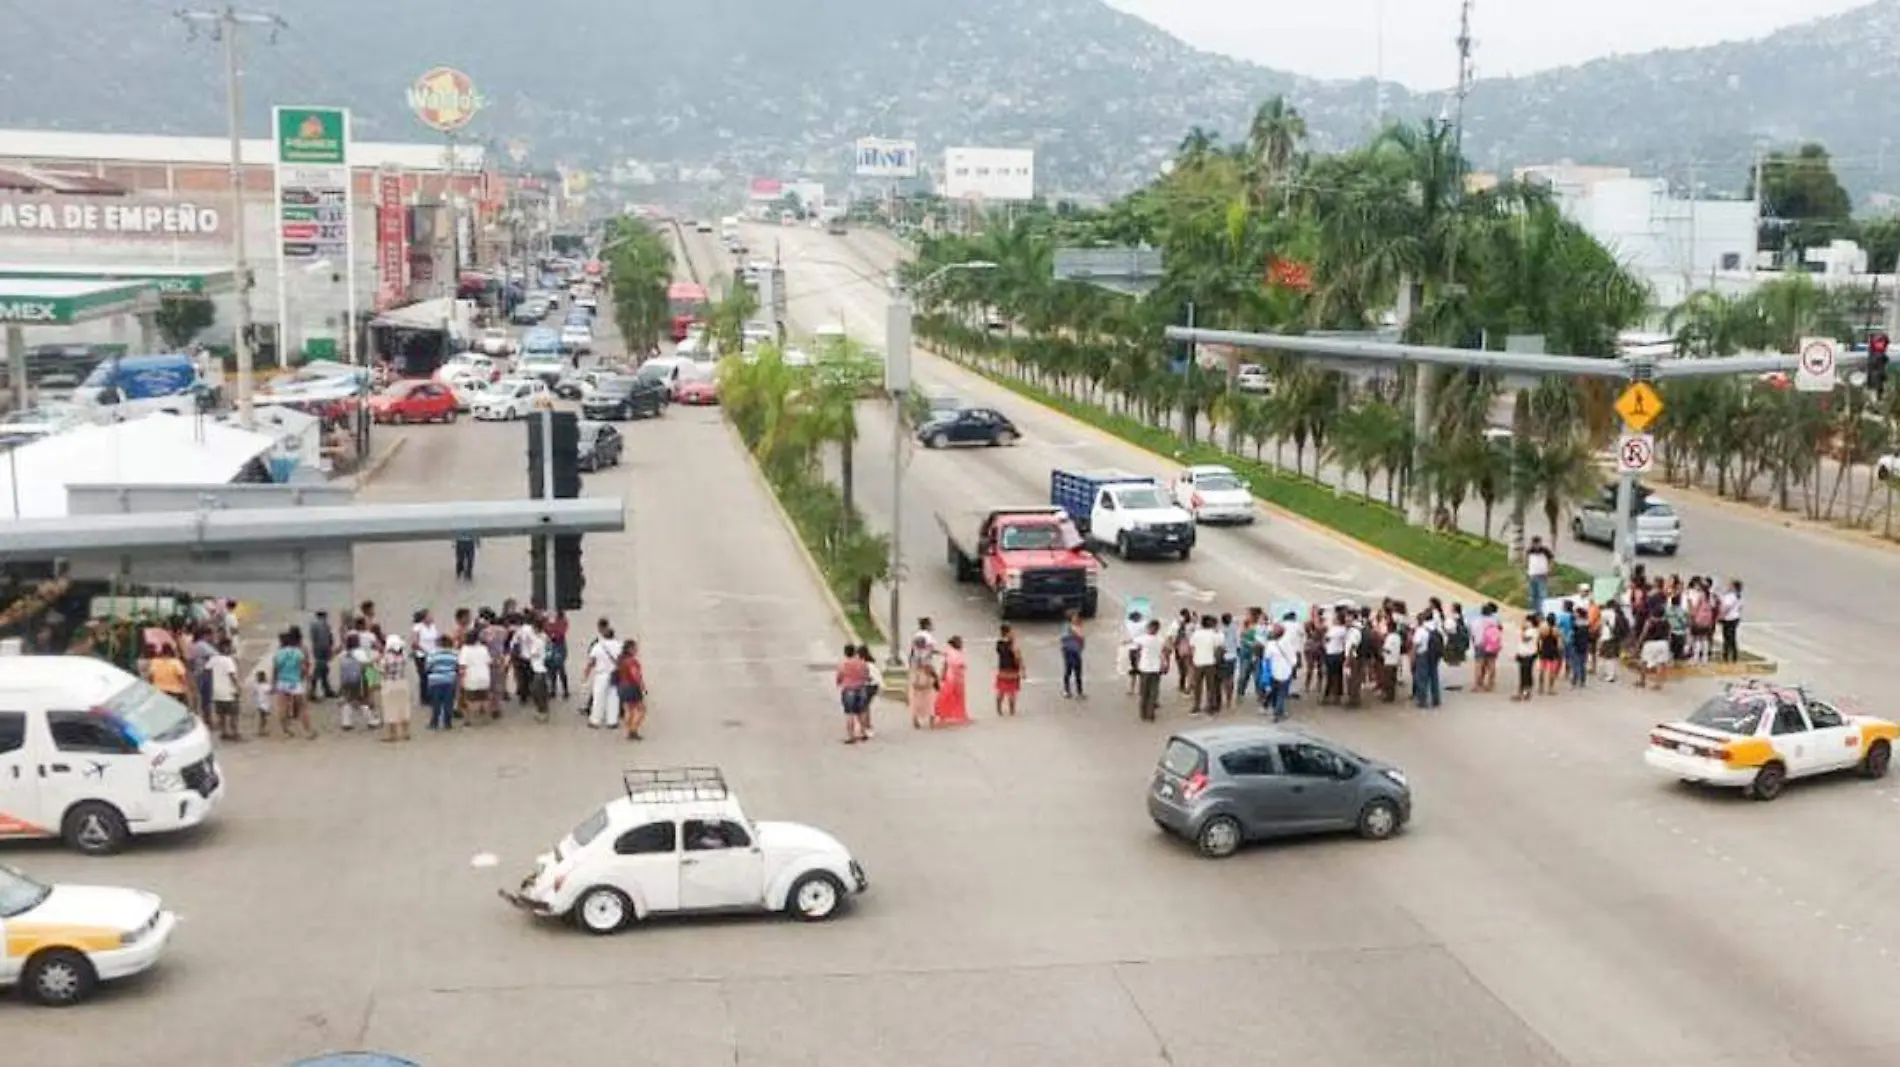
<point x="445" y="99"/>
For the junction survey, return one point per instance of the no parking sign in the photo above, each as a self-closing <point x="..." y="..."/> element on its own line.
<point x="1818" y="358"/>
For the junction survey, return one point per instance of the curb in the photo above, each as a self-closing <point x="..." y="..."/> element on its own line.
<point x="1727" y="670"/>
<point x="839" y="616"/>
<point x="1768" y="514"/>
<point x="378" y="462"/>
<point x="1448" y="587"/>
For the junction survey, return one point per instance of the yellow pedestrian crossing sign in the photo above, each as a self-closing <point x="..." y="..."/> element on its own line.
<point x="1640" y="406"/>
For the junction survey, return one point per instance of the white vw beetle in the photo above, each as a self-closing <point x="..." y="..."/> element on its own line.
<point x="678" y="842"/>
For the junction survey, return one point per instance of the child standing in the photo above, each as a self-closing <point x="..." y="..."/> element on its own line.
<point x="261" y="699"/>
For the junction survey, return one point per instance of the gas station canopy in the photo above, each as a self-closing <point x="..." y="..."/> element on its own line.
<point x="42" y="301"/>
<point x="169" y="281"/>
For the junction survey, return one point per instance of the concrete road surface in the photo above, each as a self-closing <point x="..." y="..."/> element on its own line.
<point x="1810" y="597"/>
<point x="1555" y="903"/>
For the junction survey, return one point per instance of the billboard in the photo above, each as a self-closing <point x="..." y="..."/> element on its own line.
<point x="392" y="258"/>
<point x="881" y="158"/>
<point x="767" y="189"/>
<point x="989" y="174"/>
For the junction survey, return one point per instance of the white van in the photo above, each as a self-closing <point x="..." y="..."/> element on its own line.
<point x="93" y="755"/>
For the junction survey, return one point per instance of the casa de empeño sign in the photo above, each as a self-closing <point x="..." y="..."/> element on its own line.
<point x="139" y="218"/>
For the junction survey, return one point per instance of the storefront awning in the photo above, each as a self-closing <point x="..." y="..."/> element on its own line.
<point x="425" y="315"/>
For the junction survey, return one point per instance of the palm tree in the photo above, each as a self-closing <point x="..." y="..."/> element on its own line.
<point x="1273" y="144"/>
<point x="829" y="415"/>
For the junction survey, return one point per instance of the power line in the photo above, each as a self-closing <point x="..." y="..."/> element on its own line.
<point x="224" y="27"/>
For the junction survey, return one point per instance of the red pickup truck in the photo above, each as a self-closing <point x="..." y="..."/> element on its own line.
<point x="1031" y="558"/>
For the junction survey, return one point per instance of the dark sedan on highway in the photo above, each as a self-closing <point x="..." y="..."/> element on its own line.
<point x="601" y="446"/>
<point x="619" y="397"/>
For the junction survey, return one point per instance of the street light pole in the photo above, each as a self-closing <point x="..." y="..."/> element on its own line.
<point x="225" y="24"/>
<point x="897" y="382"/>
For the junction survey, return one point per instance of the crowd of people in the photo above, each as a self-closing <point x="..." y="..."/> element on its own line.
<point x="463" y="675"/>
<point x="1343" y="654"/>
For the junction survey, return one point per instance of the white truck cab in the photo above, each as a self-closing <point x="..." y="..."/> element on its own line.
<point x="678" y="841"/>
<point x="1131" y="512"/>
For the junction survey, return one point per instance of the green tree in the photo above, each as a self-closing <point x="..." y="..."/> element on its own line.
<point x="180" y="319"/>
<point x="1803" y="203"/>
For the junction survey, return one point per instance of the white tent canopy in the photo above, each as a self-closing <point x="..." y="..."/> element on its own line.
<point x="159" y="449"/>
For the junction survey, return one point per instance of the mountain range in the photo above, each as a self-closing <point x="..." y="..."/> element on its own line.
<point x="756" y="88"/>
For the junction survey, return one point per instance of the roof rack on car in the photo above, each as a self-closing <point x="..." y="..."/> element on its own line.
<point x="674" y="784"/>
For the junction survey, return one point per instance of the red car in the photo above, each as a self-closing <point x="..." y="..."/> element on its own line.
<point x="698" y="392"/>
<point x="414" y="401"/>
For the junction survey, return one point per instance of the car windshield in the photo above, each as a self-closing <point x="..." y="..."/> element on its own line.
<point x="147" y="714"/>
<point x="1733" y="714"/>
<point x="614" y="386"/>
<point x="1659" y="510"/>
<point x="1182" y="758"/>
<point x="1140" y="499"/>
<point x="1217" y="483"/>
<point x="19" y="894"/>
<point x="1030" y="538"/>
<point x="651" y="373"/>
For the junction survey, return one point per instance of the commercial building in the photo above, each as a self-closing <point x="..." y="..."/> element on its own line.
<point x="1677" y="245"/>
<point x="989" y="174"/>
<point x="129" y="207"/>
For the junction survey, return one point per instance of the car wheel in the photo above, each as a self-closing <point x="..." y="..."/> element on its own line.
<point x="1378" y="820"/>
<point x="815" y="897"/>
<point x="94" y="828"/>
<point x="1122" y="547"/>
<point x="1883" y="472"/>
<point x="1219" y="837"/>
<point x="603" y="910"/>
<point x="398" y="417"/>
<point x="1004" y="439"/>
<point x="1877" y="761"/>
<point x="1768" y="782"/>
<point x="1576" y="530"/>
<point x="58" y="977"/>
<point x="1186" y="552"/>
<point x="938" y="440"/>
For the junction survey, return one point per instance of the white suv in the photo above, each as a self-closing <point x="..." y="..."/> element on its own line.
<point x="679" y="842"/>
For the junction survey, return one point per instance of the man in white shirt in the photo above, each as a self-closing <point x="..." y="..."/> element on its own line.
<point x="1281" y="664"/>
<point x="223" y="670"/>
<point x="1537" y="561"/>
<point x="423" y="638"/>
<point x="1334" y="648"/>
<point x="533" y="647"/>
<point x="477" y="676"/>
<point x="1205" y="646"/>
<point x="1149" y="662"/>
<point x="1134" y="627"/>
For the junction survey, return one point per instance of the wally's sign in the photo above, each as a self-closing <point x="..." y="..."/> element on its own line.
<point x="56" y="215"/>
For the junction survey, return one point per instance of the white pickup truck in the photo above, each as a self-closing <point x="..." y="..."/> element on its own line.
<point x="1125" y="510"/>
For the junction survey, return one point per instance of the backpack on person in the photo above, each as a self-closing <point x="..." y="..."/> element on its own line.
<point x="1491" y="638"/>
<point x="1704" y="617"/>
<point x="350" y="670"/>
<point x="1435" y="644"/>
<point x="1460" y="641"/>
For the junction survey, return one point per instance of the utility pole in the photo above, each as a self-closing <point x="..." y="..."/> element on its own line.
<point x="1465" y="74"/>
<point x="225" y="25"/>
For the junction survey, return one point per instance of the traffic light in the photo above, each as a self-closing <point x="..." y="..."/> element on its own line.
<point x="569" y="580"/>
<point x="1877" y="364"/>
<point x="558" y="432"/>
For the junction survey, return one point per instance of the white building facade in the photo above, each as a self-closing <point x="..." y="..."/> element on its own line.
<point x="1675" y="244"/>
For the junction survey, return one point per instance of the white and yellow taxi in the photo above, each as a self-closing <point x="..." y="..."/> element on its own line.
<point x="61" y="941"/>
<point x="1755" y="737"/>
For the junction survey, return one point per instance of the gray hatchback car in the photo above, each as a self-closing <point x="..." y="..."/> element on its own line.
<point x="1222" y="786"/>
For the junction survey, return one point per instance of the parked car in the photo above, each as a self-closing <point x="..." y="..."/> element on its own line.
<point x="577" y="339"/>
<point x="678" y="841"/>
<point x="578" y="384"/>
<point x="600" y="446"/>
<point x="1658" y="527"/>
<point x="1212" y="493"/>
<point x="1223" y="786"/>
<point x="529" y="312"/>
<point x="1252" y="378"/>
<point x="63" y="940"/>
<point x="472" y="363"/>
<point x="618" y="397"/>
<point x="468" y="389"/>
<point x="513" y="398"/>
<point x="968" y="426"/>
<point x="412" y="400"/>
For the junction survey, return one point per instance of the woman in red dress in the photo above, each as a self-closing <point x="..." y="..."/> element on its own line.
<point x="952" y="710"/>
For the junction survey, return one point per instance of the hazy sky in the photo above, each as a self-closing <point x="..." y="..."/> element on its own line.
<point x="1340" y="38"/>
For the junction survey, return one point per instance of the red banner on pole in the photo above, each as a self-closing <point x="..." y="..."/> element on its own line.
<point x="392" y="259"/>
